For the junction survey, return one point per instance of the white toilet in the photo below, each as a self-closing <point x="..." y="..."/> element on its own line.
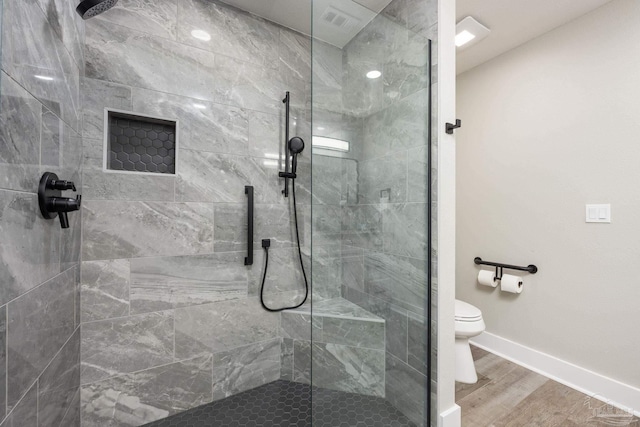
<point x="469" y="323"/>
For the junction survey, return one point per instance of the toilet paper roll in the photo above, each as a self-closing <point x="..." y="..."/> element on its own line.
<point x="510" y="283"/>
<point x="486" y="278"/>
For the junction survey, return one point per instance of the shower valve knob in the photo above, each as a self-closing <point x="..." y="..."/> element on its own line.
<point x="50" y="199"/>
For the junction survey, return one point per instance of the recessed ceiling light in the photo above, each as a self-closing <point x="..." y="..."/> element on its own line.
<point x="469" y="32"/>
<point x="200" y="106"/>
<point x="464" y="37"/>
<point x="201" y="35"/>
<point x="46" y="78"/>
<point x="374" y="74"/>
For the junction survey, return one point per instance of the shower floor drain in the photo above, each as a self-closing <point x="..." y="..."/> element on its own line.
<point x="285" y="403"/>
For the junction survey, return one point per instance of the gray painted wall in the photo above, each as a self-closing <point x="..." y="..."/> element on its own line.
<point x="39" y="262"/>
<point x="549" y="127"/>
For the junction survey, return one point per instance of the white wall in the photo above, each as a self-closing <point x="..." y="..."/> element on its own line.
<point x="448" y="411"/>
<point x="547" y="128"/>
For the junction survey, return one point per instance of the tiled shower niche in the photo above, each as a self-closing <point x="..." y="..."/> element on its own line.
<point x="136" y="143"/>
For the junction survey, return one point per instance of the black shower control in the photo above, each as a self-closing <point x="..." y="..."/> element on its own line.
<point x="63" y="185"/>
<point x="50" y="198"/>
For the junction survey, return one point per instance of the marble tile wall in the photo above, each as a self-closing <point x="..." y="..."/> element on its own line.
<point x="41" y="67"/>
<point x="170" y="314"/>
<point x="383" y="232"/>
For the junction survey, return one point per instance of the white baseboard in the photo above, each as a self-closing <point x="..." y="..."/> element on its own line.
<point x="608" y="390"/>
<point x="452" y="417"/>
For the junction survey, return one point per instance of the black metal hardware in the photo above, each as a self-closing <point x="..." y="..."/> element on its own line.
<point x="248" y="190"/>
<point x="499" y="266"/>
<point x="50" y="200"/>
<point x="287" y="102"/>
<point x="450" y="126"/>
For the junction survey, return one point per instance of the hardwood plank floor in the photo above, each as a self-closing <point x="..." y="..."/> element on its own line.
<point x="508" y="395"/>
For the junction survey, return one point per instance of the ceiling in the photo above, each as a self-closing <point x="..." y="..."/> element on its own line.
<point x="514" y="22"/>
<point x="335" y="21"/>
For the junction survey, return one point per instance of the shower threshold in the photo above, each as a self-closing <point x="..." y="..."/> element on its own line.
<point x="287" y="403"/>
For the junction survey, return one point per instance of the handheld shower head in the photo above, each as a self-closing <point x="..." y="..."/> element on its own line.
<point x="90" y="8"/>
<point x="296" y="145"/>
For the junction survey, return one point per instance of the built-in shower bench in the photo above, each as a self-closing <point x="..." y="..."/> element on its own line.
<point x="346" y="344"/>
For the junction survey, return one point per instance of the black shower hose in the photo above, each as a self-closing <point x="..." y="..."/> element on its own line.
<point x="266" y="261"/>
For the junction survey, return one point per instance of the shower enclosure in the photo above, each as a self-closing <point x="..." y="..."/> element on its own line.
<point x="161" y="113"/>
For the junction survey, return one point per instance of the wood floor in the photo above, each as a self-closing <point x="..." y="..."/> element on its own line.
<point x="508" y="395"/>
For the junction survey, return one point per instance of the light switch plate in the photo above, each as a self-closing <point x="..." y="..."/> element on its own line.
<point x="598" y="213"/>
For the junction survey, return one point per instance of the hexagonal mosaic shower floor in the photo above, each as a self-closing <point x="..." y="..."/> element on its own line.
<point x="285" y="403"/>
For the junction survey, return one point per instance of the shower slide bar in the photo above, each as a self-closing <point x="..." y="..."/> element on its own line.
<point x="248" y="190"/>
<point x="499" y="266"/>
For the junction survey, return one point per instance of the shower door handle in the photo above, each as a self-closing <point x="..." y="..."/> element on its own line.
<point x="248" y="190"/>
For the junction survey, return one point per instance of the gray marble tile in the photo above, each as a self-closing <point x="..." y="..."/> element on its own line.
<point x="105" y="289"/>
<point x="200" y="175"/>
<point x="141" y="397"/>
<point x="171" y="282"/>
<point x="121" y="55"/>
<point x="244" y="368"/>
<point x="286" y="359"/>
<point x="25" y="413"/>
<point x="338" y="307"/>
<point x="326" y="224"/>
<point x="302" y="361"/>
<point x="397" y="280"/>
<point x="395" y="324"/>
<point x="20" y="119"/>
<point x="353" y="332"/>
<point x="297" y="326"/>
<point x="283" y="275"/>
<point x="72" y="417"/>
<point x="203" y="125"/>
<point x="96" y="96"/>
<point x="416" y="15"/>
<point x="295" y="55"/>
<point x="326" y="272"/>
<point x="238" y="323"/>
<point x="152" y="229"/>
<point x="384" y="178"/>
<point x="230" y="227"/>
<point x="128" y="344"/>
<point x="64" y="23"/>
<point x="418" y="353"/>
<point x="417" y="171"/>
<point x="31" y="48"/>
<point x="158" y="18"/>
<point x="233" y="33"/>
<point x="353" y="272"/>
<point x="258" y="88"/>
<point x="59" y="383"/>
<point x="350" y="369"/>
<point x="403" y="125"/>
<point x="362" y="227"/>
<point x="266" y="136"/>
<point x="99" y="185"/>
<point x="405" y="230"/>
<point x="3" y="360"/>
<point x="39" y="323"/>
<point x="405" y="389"/>
<point x="326" y="188"/>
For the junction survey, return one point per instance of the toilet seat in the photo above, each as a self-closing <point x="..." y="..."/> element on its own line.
<point x="465" y="312"/>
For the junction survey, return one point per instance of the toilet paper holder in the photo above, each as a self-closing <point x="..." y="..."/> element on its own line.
<point x="499" y="266"/>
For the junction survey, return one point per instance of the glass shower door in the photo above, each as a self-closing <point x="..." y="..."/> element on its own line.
<point x="371" y="240"/>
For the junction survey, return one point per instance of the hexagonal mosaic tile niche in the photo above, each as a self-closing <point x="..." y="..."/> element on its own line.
<point x="140" y="144"/>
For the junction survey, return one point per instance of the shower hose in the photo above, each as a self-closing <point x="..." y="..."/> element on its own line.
<point x="266" y="260"/>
